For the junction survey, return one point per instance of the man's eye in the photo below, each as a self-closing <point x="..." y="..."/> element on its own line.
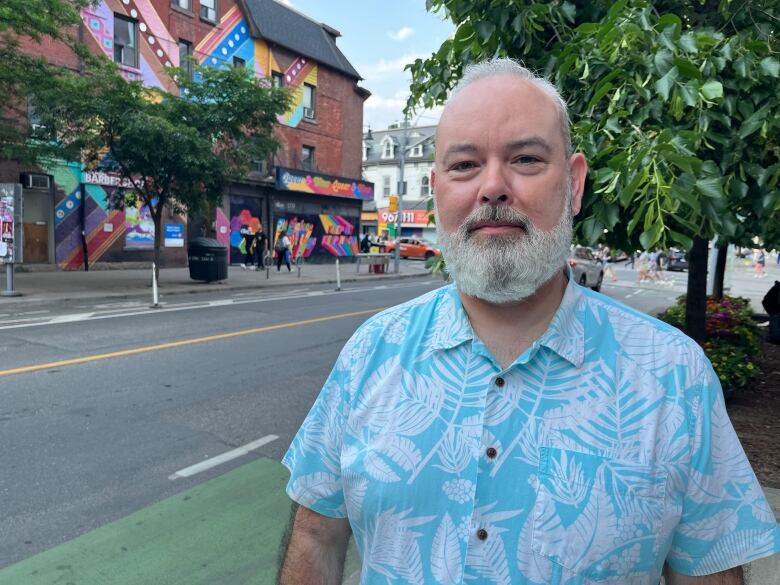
<point x="527" y="160"/>
<point x="463" y="166"/>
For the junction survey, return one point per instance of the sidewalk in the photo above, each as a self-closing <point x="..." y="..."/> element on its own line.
<point x="53" y="287"/>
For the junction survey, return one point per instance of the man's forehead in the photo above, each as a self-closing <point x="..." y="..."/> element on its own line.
<point x="497" y="96"/>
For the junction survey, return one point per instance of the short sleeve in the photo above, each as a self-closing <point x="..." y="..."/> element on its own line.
<point x="726" y="520"/>
<point x="314" y="457"/>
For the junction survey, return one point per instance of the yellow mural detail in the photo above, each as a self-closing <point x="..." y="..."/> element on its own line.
<point x="311" y="78"/>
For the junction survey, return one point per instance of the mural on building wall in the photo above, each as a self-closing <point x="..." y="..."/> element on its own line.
<point x="339" y="238"/>
<point x="157" y="48"/>
<point x="243" y="211"/>
<point x="229" y="40"/>
<point x="319" y="236"/>
<point x="139" y="226"/>
<point x="103" y="226"/>
<point x="299" y="231"/>
<point x="297" y="180"/>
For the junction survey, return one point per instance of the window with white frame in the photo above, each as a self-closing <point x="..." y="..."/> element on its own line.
<point x="308" y="101"/>
<point x="386" y="185"/>
<point x="125" y="41"/>
<point x="208" y="10"/>
<point x="425" y="187"/>
<point x="387" y="148"/>
<point x="183" y="4"/>
<point x="417" y="150"/>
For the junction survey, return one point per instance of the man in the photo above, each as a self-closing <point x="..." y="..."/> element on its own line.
<point x="261" y="247"/>
<point x="516" y="427"/>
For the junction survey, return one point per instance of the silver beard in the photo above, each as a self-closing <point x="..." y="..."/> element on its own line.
<point x="506" y="267"/>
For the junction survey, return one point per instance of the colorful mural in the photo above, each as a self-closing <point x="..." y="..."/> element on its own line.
<point x="297" y="180"/>
<point x="139" y="226"/>
<point x="228" y="40"/>
<point x="243" y="211"/>
<point x="338" y="239"/>
<point x="299" y="231"/>
<point x="157" y="48"/>
<point x="103" y="227"/>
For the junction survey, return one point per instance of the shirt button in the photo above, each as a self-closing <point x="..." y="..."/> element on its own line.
<point x="499" y="382"/>
<point x="482" y="534"/>
<point x="491" y="453"/>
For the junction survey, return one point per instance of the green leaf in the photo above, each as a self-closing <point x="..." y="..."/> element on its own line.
<point x="601" y="91"/>
<point x="688" y="42"/>
<point x="664" y="60"/>
<point x="690" y="93"/>
<point x="681" y="239"/>
<point x="687" y="68"/>
<point x="712" y="90"/>
<point x="753" y="123"/>
<point x="664" y="85"/>
<point x="592" y="230"/>
<point x="770" y="66"/>
<point x="710" y="187"/>
<point x="651" y="236"/>
<point x="628" y="192"/>
<point x="485" y="29"/>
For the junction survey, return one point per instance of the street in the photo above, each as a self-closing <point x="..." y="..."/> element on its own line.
<point x="109" y="411"/>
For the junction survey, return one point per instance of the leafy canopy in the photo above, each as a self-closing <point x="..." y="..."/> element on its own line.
<point x="675" y="105"/>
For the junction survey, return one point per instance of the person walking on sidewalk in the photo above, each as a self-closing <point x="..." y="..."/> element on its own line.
<point x="249" y="247"/>
<point x="282" y="248"/>
<point x="261" y="247"/>
<point x="513" y="426"/>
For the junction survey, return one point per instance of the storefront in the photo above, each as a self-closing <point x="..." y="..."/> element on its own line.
<point x="319" y="213"/>
<point x="414" y="224"/>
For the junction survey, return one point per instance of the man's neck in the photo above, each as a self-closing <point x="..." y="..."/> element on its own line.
<point x="508" y="329"/>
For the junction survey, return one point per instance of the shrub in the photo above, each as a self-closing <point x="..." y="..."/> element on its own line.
<point x="732" y="338"/>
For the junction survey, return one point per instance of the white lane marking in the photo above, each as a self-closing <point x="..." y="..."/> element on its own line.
<point x="33" y="313"/>
<point x="71" y="318"/>
<point x="221" y="303"/>
<point x="224" y="458"/>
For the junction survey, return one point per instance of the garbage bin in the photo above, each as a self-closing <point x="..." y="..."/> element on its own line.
<point x="207" y="259"/>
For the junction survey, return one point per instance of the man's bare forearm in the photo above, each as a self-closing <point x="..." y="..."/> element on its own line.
<point x="316" y="550"/>
<point x="730" y="577"/>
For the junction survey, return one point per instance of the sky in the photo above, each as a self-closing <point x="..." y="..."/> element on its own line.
<point x="379" y="37"/>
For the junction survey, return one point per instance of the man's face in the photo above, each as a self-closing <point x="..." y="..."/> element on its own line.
<point x="505" y="191"/>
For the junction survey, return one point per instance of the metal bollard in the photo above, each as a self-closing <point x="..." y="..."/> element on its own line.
<point x="299" y="264"/>
<point x="155" y="297"/>
<point x="338" y="275"/>
<point x="9" y="282"/>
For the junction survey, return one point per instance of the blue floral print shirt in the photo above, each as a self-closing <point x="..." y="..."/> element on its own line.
<point x="601" y="452"/>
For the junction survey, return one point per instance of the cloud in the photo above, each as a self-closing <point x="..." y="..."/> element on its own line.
<point x="402" y="34"/>
<point x="383" y="68"/>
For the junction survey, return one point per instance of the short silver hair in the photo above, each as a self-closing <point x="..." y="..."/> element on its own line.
<point x="507" y="66"/>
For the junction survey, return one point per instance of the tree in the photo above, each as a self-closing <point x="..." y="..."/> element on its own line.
<point x="21" y="72"/>
<point x="674" y="103"/>
<point x="178" y="153"/>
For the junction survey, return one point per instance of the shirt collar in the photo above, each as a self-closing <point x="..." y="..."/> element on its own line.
<point x="565" y="334"/>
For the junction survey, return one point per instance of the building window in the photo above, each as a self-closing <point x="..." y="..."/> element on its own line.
<point x="208" y="10"/>
<point x="308" y="101"/>
<point x="183" y="4"/>
<point x="307" y="158"/>
<point x="417" y="150"/>
<point x="276" y="79"/>
<point x="239" y="62"/>
<point x="425" y="187"/>
<point x="185" y="57"/>
<point x="125" y="41"/>
<point x="387" y="148"/>
<point x="386" y="185"/>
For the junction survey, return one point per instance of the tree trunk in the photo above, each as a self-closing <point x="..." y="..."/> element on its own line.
<point x="720" y="271"/>
<point x="696" y="295"/>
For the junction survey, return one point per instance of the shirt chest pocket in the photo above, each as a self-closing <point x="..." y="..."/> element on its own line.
<point x="599" y="518"/>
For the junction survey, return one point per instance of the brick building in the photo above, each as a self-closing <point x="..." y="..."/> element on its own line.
<point x="311" y="189"/>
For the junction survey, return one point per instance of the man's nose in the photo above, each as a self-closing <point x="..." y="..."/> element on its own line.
<point x="494" y="187"/>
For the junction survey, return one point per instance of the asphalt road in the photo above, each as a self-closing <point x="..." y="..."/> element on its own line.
<point x="92" y="442"/>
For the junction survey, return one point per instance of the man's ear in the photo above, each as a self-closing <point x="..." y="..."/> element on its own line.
<point x="578" y="171"/>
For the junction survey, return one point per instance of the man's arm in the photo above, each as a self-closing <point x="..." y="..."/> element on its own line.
<point x="731" y="577"/>
<point x="316" y="551"/>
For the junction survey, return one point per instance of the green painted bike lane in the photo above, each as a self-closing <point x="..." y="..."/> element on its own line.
<point x="224" y="531"/>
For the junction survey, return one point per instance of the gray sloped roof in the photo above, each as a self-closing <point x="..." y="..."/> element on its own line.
<point x="427" y="134"/>
<point x="279" y="24"/>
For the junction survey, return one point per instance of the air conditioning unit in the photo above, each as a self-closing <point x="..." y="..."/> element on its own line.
<point x="308" y="113"/>
<point x="34" y="181"/>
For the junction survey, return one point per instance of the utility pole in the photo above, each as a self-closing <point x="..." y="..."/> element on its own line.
<point x="401" y="193"/>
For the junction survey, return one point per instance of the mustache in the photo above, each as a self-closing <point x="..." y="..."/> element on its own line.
<point x="499" y="214"/>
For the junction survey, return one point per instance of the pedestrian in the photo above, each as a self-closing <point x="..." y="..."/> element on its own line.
<point x="632" y="259"/>
<point x="760" y="256"/>
<point x="513" y="427"/>
<point x="249" y="246"/>
<point x="605" y="256"/>
<point x="261" y="247"/>
<point x="365" y="244"/>
<point x="282" y="251"/>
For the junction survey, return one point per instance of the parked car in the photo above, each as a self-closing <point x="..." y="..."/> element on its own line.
<point x="414" y="248"/>
<point x="676" y="260"/>
<point x="587" y="269"/>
